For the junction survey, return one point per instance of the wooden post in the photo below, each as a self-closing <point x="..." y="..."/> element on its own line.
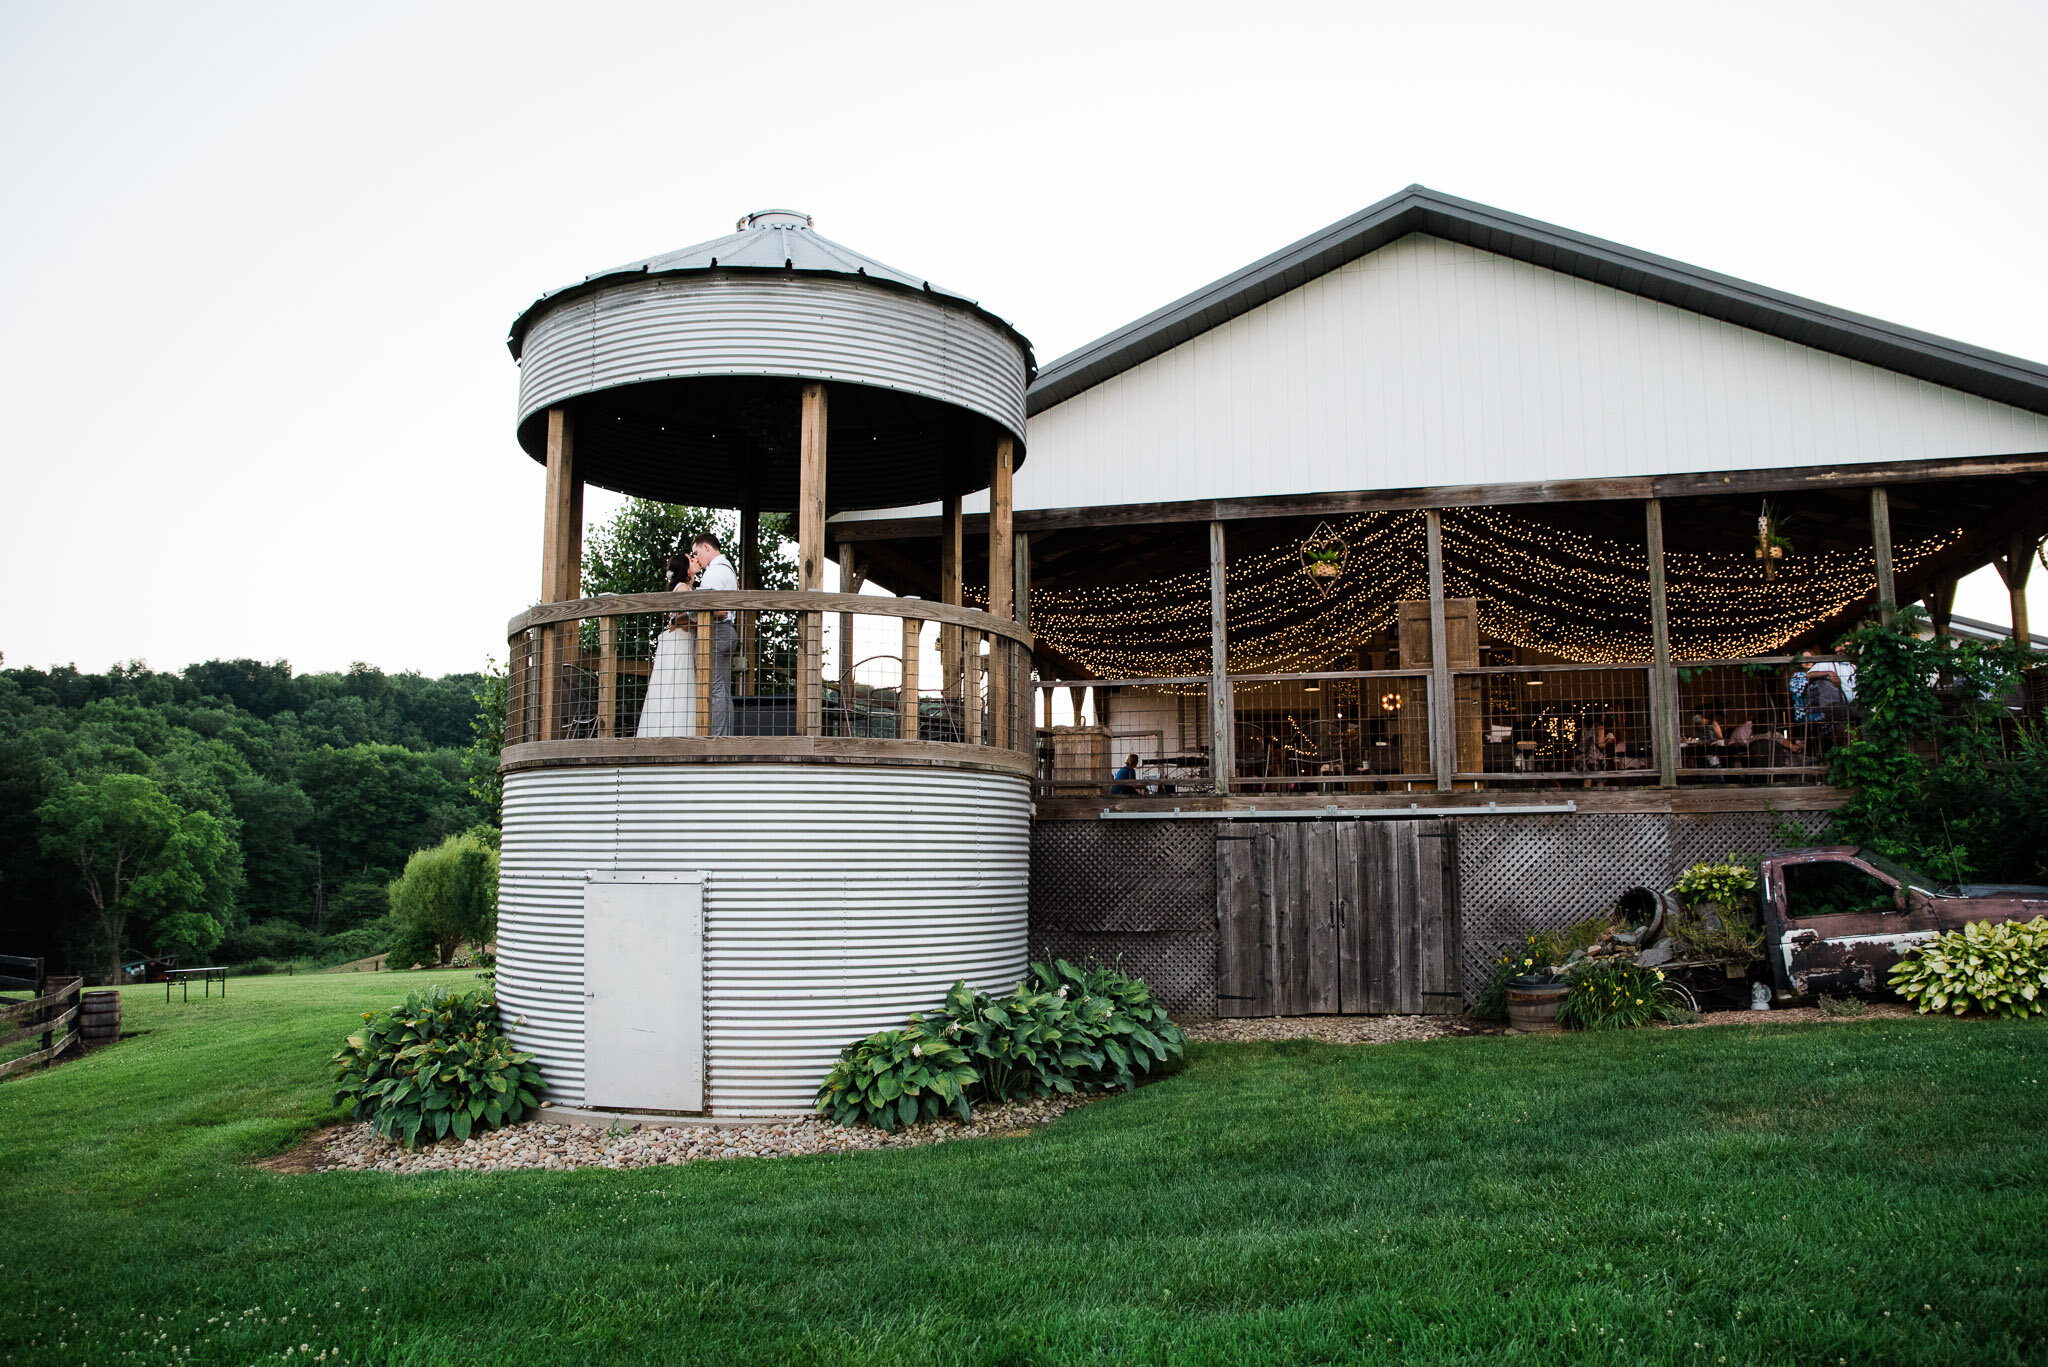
<point x="1941" y="603"/>
<point x="1020" y="572"/>
<point x="810" y="541"/>
<point x="607" y="675"/>
<point x="747" y="659"/>
<point x="1881" y="550"/>
<point x="561" y="572"/>
<point x="906" y="694"/>
<point x="1002" y="601"/>
<point x="1442" y="736"/>
<point x="1222" y="709"/>
<point x="1663" y="679"/>
<point x="950" y="547"/>
<point x="703" y="673"/>
<point x="2014" y="567"/>
<point x="849" y="582"/>
<point x="970" y="684"/>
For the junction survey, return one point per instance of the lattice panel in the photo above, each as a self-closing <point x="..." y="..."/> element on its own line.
<point x="1143" y="892"/>
<point x="1525" y="874"/>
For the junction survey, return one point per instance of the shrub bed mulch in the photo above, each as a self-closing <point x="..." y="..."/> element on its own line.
<point x="544" y="1145"/>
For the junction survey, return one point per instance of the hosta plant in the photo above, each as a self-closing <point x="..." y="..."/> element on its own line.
<point x="438" y="1064"/>
<point x="1614" y="994"/>
<point x="897" y="1077"/>
<point x="1026" y="1044"/>
<point x="2001" y="970"/>
<point x="1119" y="1019"/>
<point x="1732" y="885"/>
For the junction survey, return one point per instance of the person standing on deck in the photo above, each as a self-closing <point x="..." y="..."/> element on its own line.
<point x="715" y="572"/>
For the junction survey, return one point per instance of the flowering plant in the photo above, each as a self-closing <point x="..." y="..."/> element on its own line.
<point x="1613" y="994"/>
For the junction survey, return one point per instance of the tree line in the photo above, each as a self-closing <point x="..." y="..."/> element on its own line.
<point x="235" y="810"/>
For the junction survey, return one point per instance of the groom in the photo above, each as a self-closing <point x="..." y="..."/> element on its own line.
<point x="714" y="571"/>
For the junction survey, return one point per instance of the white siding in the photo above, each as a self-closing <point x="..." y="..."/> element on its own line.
<point x="1429" y="363"/>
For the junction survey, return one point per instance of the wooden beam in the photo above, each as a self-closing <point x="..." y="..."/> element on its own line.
<point x="561" y="570"/>
<point x="1940" y="598"/>
<point x="810" y="525"/>
<point x="2014" y="567"/>
<point x="1629" y="488"/>
<point x="1222" y="706"/>
<point x="1881" y="552"/>
<point x="906" y="690"/>
<point x="850" y="579"/>
<point x="1663" y="681"/>
<point x="750" y="548"/>
<point x="1442" y="737"/>
<point x="1020" y="572"/>
<point x="1002" y="602"/>
<point x="950" y="554"/>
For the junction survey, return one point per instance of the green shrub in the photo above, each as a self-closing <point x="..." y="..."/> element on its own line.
<point x="360" y="943"/>
<point x="897" y="1077"/>
<point x="448" y="895"/>
<point x="1555" y="946"/>
<point x="272" y="939"/>
<point x="1492" y="1002"/>
<point x="2001" y="970"/>
<point x="437" y="1063"/>
<point x="1117" y="1017"/>
<point x="1613" y="994"/>
<point x="1842" y="1006"/>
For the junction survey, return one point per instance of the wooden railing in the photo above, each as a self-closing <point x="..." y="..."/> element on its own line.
<point x="51" y="1013"/>
<point x="619" y="672"/>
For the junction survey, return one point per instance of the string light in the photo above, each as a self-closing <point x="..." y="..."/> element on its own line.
<point x="1558" y="593"/>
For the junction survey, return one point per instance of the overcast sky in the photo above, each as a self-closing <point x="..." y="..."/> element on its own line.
<point x="258" y="261"/>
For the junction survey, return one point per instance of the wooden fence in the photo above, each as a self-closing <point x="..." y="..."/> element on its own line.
<point x="51" y="1012"/>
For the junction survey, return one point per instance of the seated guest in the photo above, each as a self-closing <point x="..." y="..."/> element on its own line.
<point x="1124" y="786"/>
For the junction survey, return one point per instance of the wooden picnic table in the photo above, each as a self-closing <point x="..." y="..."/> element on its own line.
<point x="185" y="976"/>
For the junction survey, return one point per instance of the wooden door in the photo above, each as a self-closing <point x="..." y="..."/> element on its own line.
<point x="1319" y="917"/>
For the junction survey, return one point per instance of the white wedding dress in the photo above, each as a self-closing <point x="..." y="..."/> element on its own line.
<point x="671" y="705"/>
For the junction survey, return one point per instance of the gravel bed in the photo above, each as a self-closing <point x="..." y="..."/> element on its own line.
<point x="559" y="1148"/>
<point x="1328" y="1029"/>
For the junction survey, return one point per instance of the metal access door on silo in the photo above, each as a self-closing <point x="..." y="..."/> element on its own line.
<point x="643" y="991"/>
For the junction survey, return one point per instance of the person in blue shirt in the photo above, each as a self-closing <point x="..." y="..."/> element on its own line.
<point x="1125" y="784"/>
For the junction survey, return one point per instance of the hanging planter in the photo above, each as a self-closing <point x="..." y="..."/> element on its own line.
<point x="1771" y="543"/>
<point x="1322" y="558"/>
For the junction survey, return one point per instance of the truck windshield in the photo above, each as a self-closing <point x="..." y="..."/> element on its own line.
<point x="1910" y="877"/>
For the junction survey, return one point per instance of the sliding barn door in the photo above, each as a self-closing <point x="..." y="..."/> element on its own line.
<point x="1318" y="917"/>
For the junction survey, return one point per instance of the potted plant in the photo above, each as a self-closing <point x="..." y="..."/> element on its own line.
<point x="1322" y="559"/>
<point x="1719" y="922"/>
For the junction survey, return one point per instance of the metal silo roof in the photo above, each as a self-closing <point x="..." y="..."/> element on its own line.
<point x="781" y="240"/>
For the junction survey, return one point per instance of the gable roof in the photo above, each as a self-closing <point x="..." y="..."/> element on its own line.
<point x="1417" y="209"/>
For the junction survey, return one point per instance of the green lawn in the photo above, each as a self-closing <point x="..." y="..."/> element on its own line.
<point x="1801" y="1194"/>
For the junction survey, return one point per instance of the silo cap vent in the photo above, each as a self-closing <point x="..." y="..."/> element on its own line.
<point x="774" y="218"/>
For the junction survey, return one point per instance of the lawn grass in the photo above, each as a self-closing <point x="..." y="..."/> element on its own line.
<point x="1860" y="1192"/>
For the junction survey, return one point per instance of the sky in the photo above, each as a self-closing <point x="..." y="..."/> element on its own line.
<point x="258" y="261"/>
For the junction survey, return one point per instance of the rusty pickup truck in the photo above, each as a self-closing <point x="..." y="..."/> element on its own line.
<point x="1836" y="918"/>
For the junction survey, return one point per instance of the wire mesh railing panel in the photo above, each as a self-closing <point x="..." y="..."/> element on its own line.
<point x="1361" y="731"/>
<point x="716" y="666"/>
<point x="1769" y="720"/>
<point x="1555" y="722"/>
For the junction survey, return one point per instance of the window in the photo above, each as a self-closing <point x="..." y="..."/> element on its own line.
<point x="1834" y="888"/>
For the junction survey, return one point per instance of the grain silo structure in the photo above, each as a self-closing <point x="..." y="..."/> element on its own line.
<point x="743" y="827"/>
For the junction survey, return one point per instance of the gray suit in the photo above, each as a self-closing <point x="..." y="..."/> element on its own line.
<point x="725" y="638"/>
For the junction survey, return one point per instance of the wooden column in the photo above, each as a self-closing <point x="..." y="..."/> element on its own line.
<point x="750" y="548"/>
<point x="1222" y="706"/>
<point x="850" y="578"/>
<point x="1663" y="679"/>
<point x="906" y="692"/>
<point x="1442" y="735"/>
<point x="703" y="620"/>
<point x="607" y="675"/>
<point x="2014" y="567"/>
<point x="561" y="573"/>
<point x="1941" y="603"/>
<point x="1002" y="601"/>
<point x="950" y="548"/>
<point x="810" y="543"/>
<point x="1881" y="551"/>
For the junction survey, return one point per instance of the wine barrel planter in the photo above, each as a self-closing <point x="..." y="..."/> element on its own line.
<point x="1533" y="1005"/>
<point x="99" y="1017"/>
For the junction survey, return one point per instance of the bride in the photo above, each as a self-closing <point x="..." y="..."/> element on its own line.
<point x="671" y="705"/>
